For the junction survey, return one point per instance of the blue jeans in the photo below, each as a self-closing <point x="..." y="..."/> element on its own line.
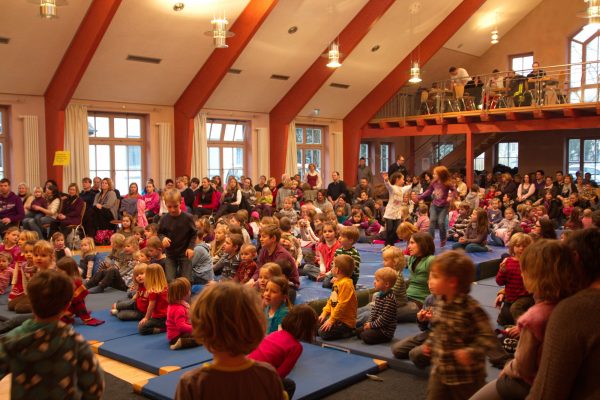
<point x="470" y="247"/>
<point x="36" y="224"/>
<point x="495" y="240"/>
<point x="437" y="219"/>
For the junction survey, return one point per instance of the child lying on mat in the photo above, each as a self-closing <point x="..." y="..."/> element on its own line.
<point x="77" y="307"/>
<point x="179" y="328"/>
<point x="228" y="320"/>
<point x="282" y="348"/>
<point x="35" y="353"/>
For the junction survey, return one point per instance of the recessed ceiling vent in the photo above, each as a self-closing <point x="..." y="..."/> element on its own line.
<point x="339" y="85"/>
<point x="149" y="60"/>
<point x="4" y="40"/>
<point x="235" y="71"/>
<point x="280" y="77"/>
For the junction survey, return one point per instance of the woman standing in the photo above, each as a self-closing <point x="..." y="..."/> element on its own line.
<point x="105" y="208"/>
<point x="313" y="178"/>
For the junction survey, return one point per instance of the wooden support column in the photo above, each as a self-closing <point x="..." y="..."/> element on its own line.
<point x="68" y="75"/>
<point x="469" y="158"/>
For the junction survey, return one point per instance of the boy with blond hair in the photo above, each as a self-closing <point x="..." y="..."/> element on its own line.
<point x="178" y="232"/>
<point x="462" y="333"/>
<point x="381" y="326"/>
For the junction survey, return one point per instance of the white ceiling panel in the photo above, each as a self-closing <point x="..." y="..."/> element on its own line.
<point x="36" y="45"/>
<point x="151" y="28"/>
<point x="274" y="51"/>
<point x="364" y="69"/>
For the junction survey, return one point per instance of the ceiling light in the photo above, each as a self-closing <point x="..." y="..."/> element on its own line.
<point x="375" y="48"/>
<point x="415" y="73"/>
<point x="178" y="6"/>
<point x="219" y="32"/>
<point x="593" y="14"/>
<point x="495" y="36"/>
<point x="334" y="55"/>
<point x="316" y="112"/>
<point x="48" y="9"/>
<point x="293" y="30"/>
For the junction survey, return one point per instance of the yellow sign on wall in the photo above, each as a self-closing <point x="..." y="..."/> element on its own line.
<point x="62" y="158"/>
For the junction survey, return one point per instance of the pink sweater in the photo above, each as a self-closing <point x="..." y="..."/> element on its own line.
<point x="178" y="322"/>
<point x="280" y="349"/>
<point x="422" y="223"/>
<point x="5" y="279"/>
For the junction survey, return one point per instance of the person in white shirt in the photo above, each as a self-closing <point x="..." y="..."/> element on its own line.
<point x="459" y="76"/>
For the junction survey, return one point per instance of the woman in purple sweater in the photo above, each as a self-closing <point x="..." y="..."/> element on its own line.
<point x="71" y="210"/>
<point x="440" y="190"/>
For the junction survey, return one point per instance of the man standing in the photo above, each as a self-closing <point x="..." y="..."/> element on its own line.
<point x="398" y="166"/>
<point x="336" y="188"/>
<point x="11" y="207"/>
<point x="364" y="172"/>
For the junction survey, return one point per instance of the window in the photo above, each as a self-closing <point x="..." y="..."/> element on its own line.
<point x="116" y="148"/>
<point x="584" y="51"/>
<point x="309" y="147"/>
<point x="479" y="162"/>
<point x="521" y="63"/>
<point x="508" y="154"/>
<point x="441" y="150"/>
<point x="584" y="155"/>
<point x="384" y="156"/>
<point x="226" y="148"/>
<point x="3" y="142"/>
<point x="364" y="152"/>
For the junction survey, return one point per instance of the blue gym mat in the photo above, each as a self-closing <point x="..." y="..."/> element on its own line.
<point x="151" y="353"/>
<point x="319" y="372"/>
<point x="111" y="329"/>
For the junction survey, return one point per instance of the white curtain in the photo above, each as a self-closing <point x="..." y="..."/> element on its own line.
<point x="77" y="143"/>
<point x="199" y="148"/>
<point x="165" y="142"/>
<point x="291" y="157"/>
<point x="338" y="154"/>
<point x="263" y="151"/>
<point x="31" y="139"/>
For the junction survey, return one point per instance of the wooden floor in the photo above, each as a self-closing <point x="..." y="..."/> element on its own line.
<point x="113" y="367"/>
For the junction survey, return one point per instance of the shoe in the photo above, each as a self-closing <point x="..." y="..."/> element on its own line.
<point x="176" y="345"/>
<point x="114" y="311"/>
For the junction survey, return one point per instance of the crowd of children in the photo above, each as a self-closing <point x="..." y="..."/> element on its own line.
<point x="248" y="263"/>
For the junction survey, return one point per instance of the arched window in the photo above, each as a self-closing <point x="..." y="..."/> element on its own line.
<point x="585" y="53"/>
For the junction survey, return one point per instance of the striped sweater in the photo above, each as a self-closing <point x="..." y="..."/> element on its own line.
<point x="383" y="313"/>
<point x="510" y="277"/>
<point x="352" y="252"/>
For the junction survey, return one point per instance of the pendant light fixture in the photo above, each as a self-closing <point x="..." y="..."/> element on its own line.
<point x="495" y="38"/>
<point x="415" y="69"/>
<point x="219" y="32"/>
<point x="334" y="55"/>
<point x="48" y="9"/>
<point x="592" y="13"/>
<point x="415" y="73"/>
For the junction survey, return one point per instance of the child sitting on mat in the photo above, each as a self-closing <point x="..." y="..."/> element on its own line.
<point x="37" y="353"/>
<point x="265" y="273"/>
<point x="179" y="328"/>
<point x="348" y="238"/>
<point x="87" y="258"/>
<point x="247" y="264"/>
<point x="22" y="273"/>
<point x="338" y="318"/>
<point x="277" y="302"/>
<point x="230" y="261"/>
<point x="282" y="348"/>
<point x="381" y="324"/>
<point x="156" y="315"/>
<point x="116" y="271"/>
<point x="6" y="270"/>
<point x="154" y="248"/>
<point x="228" y="320"/>
<point x="202" y="266"/>
<point x="58" y="240"/>
<point x="134" y="309"/>
<point x="77" y="307"/>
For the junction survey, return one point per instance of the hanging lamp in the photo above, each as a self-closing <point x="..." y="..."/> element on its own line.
<point x="48" y="9"/>
<point x="334" y="55"/>
<point x="219" y="32"/>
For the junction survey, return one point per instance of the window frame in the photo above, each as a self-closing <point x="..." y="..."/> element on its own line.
<point x="301" y="148"/>
<point x="512" y="57"/>
<point x="581" y="161"/>
<point x="112" y="141"/>
<point x="5" y="142"/>
<point x="481" y="160"/>
<point x="508" y="157"/>
<point x="579" y="91"/>
<point x="384" y="166"/>
<point x="222" y="144"/>
<point x="366" y="153"/>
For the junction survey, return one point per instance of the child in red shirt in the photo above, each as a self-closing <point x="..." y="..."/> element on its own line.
<point x="156" y="315"/>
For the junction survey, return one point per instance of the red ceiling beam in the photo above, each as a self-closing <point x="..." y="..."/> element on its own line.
<point x="69" y="73"/>
<point x="210" y="75"/>
<point x="313" y="79"/>
<point x="533" y="125"/>
<point x="368" y="107"/>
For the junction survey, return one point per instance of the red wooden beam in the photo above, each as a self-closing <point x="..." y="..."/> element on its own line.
<point x="210" y="75"/>
<point x="313" y="79"/>
<point x="366" y="109"/>
<point x="68" y="75"/>
<point x="469" y="158"/>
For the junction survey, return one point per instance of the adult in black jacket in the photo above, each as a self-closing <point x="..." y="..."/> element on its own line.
<point x="207" y="200"/>
<point x="337" y="188"/>
<point x="398" y="166"/>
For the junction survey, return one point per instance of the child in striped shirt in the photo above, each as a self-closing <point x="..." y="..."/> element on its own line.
<point x="381" y="325"/>
<point x="348" y="237"/>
